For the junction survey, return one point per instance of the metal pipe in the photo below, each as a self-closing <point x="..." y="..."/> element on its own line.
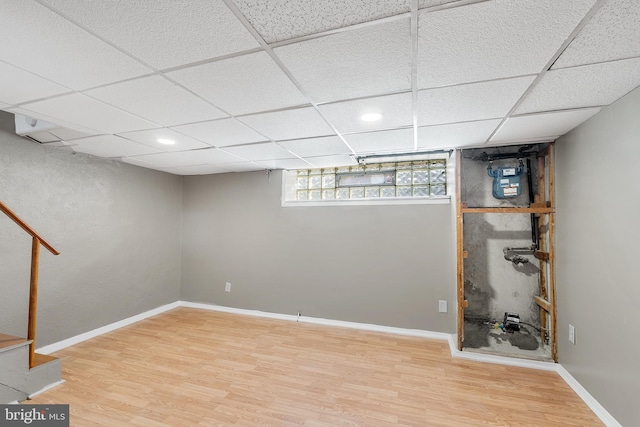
<point x="534" y="218"/>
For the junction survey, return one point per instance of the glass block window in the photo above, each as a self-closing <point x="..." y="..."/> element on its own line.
<point x="417" y="179"/>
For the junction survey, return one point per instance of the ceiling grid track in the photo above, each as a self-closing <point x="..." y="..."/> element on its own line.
<point x="414" y="70"/>
<point x="284" y="69"/>
<point x="196" y="87"/>
<point x="161" y="73"/>
<point x="548" y="66"/>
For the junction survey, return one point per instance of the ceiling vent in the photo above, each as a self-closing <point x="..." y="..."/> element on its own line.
<point x="42" y="131"/>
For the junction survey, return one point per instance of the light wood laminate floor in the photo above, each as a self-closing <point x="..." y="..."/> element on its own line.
<point x="195" y="367"/>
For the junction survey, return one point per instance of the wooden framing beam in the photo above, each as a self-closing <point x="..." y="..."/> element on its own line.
<point x="542" y="248"/>
<point x="524" y="210"/>
<point x="540" y="204"/>
<point x="541" y="180"/>
<point x="542" y="303"/>
<point x="541" y="255"/>
<point x="461" y="253"/>
<point x="552" y="255"/>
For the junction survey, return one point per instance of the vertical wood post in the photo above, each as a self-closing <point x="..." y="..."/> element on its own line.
<point x="33" y="299"/>
<point x="460" y="248"/>
<point x="552" y="254"/>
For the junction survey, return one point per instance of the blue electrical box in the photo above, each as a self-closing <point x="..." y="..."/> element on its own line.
<point x="506" y="181"/>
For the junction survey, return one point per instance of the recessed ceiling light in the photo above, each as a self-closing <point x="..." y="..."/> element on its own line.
<point x="371" y="117"/>
<point x="166" y="141"/>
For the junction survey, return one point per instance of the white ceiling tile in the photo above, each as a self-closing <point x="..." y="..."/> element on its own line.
<point x="151" y="137"/>
<point x="158" y="100"/>
<point x="370" y="60"/>
<point x="134" y="161"/>
<point x="111" y="146"/>
<point x="475" y="101"/>
<point x="331" y="161"/>
<point x="61" y="145"/>
<point x="87" y="112"/>
<point x="456" y="135"/>
<point x="68" y="134"/>
<point x="397" y="140"/>
<point x="174" y="171"/>
<point x="243" y="167"/>
<point x="289" y="124"/>
<point x="481" y="56"/>
<point x="584" y="86"/>
<point x="163" y="34"/>
<point x="18" y="86"/>
<point x="284" y="164"/>
<point x="422" y="4"/>
<point x="221" y="133"/>
<point x="316" y="146"/>
<point x="202" y="170"/>
<point x="542" y="125"/>
<point x="396" y="111"/>
<point x="264" y="151"/>
<point x="242" y="85"/>
<point x="282" y="20"/>
<point x="41" y="41"/>
<point x="493" y="39"/>
<point x="611" y="34"/>
<point x="179" y="159"/>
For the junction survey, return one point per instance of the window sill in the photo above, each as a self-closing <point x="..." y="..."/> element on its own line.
<point x="441" y="200"/>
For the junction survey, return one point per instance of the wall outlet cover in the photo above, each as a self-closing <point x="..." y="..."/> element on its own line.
<point x="442" y="306"/>
<point x="227" y="287"/>
<point x="572" y="334"/>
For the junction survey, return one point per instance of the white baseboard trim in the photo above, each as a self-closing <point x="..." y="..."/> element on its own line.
<point x="242" y="311"/>
<point x="591" y="402"/>
<point x="45" y="388"/>
<point x="502" y="360"/>
<point x="376" y="328"/>
<point x="48" y="349"/>
<point x="320" y="321"/>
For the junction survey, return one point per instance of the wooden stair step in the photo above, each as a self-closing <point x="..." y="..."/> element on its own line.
<point x="41" y="359"/>
<point x="11" y="341"/>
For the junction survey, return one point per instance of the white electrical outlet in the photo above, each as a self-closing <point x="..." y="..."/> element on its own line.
<point x="572" y="334"/>
<point x="442" y="306"/>
<point x="227" y="287"/>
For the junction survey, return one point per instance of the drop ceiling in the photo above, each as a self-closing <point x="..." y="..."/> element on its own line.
<point x="243" y="85"/>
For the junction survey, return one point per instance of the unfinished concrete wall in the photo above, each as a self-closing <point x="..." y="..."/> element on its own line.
<point x="494" y="285"/>
<point x="117" y="227"/>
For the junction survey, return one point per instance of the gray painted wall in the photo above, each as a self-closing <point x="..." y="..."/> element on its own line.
<point x="117" y="227"/>
<point x="385" y="265"/>
<point x="597" y="239"/>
